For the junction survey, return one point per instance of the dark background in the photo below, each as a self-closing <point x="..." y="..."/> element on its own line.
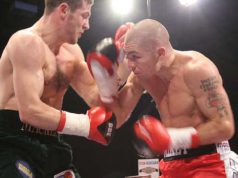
<point x="209" y="27"/>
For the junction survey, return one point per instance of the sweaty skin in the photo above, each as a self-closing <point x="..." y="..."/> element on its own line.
<point x="185" y="85"/>
<point x="40" y="63"/>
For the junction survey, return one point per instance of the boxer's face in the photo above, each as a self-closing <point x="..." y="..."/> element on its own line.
<point x="141" y="61"/>
<point x="78" y="22"/>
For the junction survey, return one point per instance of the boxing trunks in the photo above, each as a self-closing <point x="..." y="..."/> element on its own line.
<point x="210" y="161"/>
<point x="28" y="152"/>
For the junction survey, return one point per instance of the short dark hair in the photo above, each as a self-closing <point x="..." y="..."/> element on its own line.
<point x="50" y="5"/>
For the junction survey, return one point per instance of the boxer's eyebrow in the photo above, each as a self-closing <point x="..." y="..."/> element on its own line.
<point x="130" y="52"/>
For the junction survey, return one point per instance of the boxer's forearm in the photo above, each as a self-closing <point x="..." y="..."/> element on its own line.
<point x="40" y="116"/>
<point x="210" y="131"/>
<point x="124" y="105"/>
<point x="215" y="131"/>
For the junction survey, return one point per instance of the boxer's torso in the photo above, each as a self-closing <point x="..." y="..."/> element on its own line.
<point x="58" y="70"/>
<point x="175" y="101"/>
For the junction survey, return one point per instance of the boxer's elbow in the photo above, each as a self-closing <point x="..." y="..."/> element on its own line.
<point x="27" y="114"/>
<point x="227" y="129"/>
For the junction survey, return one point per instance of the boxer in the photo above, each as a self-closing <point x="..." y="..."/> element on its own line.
<point x="196" y="116"/>
<point x="37" y="66"/>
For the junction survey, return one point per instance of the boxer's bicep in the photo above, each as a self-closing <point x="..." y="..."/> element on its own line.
<point x="209" y="93"/>
<point x="212" y="101"/>
<point x="214" y="105"/>
<point x="83" y="82"/>
<point x="26" y="55"/>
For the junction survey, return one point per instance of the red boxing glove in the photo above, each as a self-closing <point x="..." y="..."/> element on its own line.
<point x="102" y="125"/>
<point x="160" y="139"/>
<point x="97" y="124"/>
<point x="105" y="53"/>
<point x="150" y="130"/>
<point x="102" y="63"/>
<point x="121" y="33"/>
<point x="123" y="71"/>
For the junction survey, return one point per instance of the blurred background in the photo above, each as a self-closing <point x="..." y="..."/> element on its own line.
<point x="208" y="26"/>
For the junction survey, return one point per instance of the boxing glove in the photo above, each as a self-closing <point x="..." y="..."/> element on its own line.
<point x="97" y="124"/>
<point x="159" y="139"/>
<point x="123" y="71"/>
<point x="121" y="33"/>
<point x="102" y="63"/>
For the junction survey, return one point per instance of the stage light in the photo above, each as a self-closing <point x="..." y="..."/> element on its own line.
<point x="122" y="7"/>
<point x="187" y="2"/>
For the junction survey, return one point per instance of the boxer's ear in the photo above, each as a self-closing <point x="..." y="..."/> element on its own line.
<point x="64" y="9"/>
<point x="161" y="52"/>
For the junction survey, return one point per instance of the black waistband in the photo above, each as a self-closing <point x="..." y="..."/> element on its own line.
<point x="189" y="153"/>
<point x="10" y="123"/>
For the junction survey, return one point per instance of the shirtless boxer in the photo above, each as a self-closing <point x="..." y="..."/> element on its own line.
<point x="194" y="107"/>
<point x="37" y="66"/>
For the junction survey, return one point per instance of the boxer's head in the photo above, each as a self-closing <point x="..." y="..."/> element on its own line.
<point x="147" y="46"/>
<point x="50" y="5"/>
<point x="71" y="17"/>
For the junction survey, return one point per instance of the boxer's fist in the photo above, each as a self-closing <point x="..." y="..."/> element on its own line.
<point x="121" y="33"/>
<point x="123" y="71"/>
<point x="153" y="133"/>
<point x="97" y="124"/>
<point x="159" y="139"/>
<point x="104" y="53"/>
<point x="102" y="125"/>
<point x="102" y="63"/>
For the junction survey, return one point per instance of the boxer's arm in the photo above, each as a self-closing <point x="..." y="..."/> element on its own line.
<point x="127" y="99"/>
<point x="26" y="53"/>
<point x="82" y="81"/>
<point x="206" y="86"/>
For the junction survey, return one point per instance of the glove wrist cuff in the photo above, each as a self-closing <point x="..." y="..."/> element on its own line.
<point x="74" y="124"/>
<point x="183" y="138"/>
<point x="61" y="122"/>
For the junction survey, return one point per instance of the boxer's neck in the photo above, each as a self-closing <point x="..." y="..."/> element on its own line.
<point x="169" y="68"/>
<point x="48" y="29"/>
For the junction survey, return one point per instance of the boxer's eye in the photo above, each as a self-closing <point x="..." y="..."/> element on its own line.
<point x="134" y="57"/>
<point x="85" y="15"/>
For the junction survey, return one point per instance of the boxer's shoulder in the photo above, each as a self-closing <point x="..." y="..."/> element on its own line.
<point x="203" y="69"/>
<point x="200" y="74"/>
<point x="198" y="65"/>
<point x="25" y="40"/>
<point x="27" y="34"/>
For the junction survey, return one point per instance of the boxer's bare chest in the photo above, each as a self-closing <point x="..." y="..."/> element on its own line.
<point x="173" y="99"/>
<point x="58" y="72"/>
